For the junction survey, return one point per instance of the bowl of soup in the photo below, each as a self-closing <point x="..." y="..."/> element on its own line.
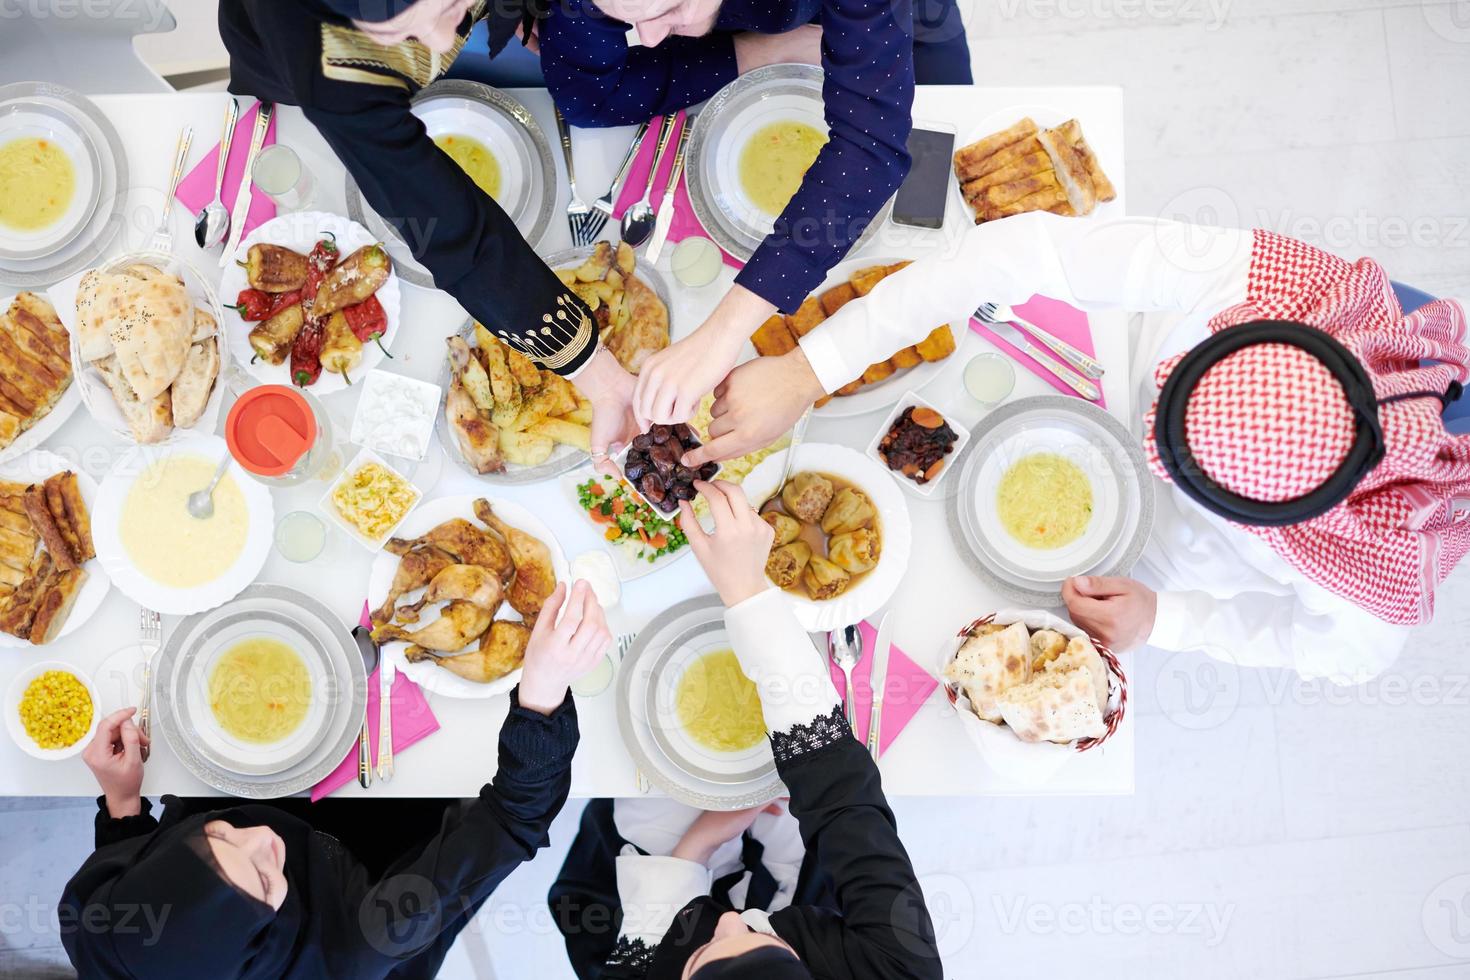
<point x="48" y="184"/>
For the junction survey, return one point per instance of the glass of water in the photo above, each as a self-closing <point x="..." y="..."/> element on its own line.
<point x="279" y="172"/>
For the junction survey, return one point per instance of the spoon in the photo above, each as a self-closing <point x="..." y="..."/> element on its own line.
<point x="638" y="221"/>
<point x="845" y="647"/>
<point x="369" y="650"/>
<point x="201" y="502"/>
<point x="212" y="223"/>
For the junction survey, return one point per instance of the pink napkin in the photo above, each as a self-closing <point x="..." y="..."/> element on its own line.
<point x="412" y="722"/>
<point x="197" y="187"/>
<point x="685" y="223"/>
<point x="1055" y="317"/>
<point x="906" y="689"/>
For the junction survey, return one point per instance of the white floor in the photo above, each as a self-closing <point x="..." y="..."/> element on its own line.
<point x="1280" y="830"/>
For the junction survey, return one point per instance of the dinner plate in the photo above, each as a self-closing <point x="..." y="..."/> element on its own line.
<point x="344" y="692"/>
<point x="528" y="176"/>
<point x="300" y="232"/>
<point x="35" y="467"/>
<point x="1108" y="455"/>
<point x="113" y="555"/>
<point x="775" y="93"/>
<point x="880" y="396"/>
<point x="98" y="398"/>
<point x="424" y="518"/>
<point x="50" y="123"/>
<point x="1046" y="117"/>
<point x="107" y="218"/>
<point x="876" y="586"/>
<point x="47" y="424"/>
<point x="647" y="677"/>
<point x="629" y="567"/>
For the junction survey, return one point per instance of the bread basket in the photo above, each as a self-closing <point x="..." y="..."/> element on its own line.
<point x="1003" y="751"/>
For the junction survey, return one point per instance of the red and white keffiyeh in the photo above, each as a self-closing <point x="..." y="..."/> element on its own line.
<point x="1271" y="423"/>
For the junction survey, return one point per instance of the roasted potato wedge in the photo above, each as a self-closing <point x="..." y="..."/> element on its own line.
<point x="562" y="431"/>
<point x="525" y="449"/>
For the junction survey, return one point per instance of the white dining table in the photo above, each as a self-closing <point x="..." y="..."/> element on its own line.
<point x="938" y="595"/>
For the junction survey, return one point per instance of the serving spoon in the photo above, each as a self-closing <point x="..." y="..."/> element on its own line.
<point x="845" y="647"/>
<point x="212" y="223"/>
<point x="201" y="502"/>
<point x="638" y="221"/>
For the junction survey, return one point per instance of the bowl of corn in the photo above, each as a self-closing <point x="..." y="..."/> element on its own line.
<point x="51" y="710"/>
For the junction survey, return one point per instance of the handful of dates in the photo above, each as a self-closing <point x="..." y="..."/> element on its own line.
<point x="653" y="465"/>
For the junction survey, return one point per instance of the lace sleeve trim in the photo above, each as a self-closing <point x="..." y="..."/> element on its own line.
<point x="805" y="737"/>
<point x="631" y="954"/>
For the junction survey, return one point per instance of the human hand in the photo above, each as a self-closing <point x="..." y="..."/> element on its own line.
<point x="610" y="390"/>
<point x="1118" y="611"/>
<point x="115" y="756"/>
<point x="715" y="827"/>
<point x="734" y="556"/>
<point x="800" y="46"/>
<point x="560" y="652"/>
<point x="758" y="401"/>
<point x="671" y="382"/>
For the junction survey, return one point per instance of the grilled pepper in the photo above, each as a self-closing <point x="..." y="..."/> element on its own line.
<point x="353" y="280"/>
<point x="271" y="339"/>
<point x="274" y="268"/>
<point x="342" y="351"/>
<point x="369" y="321"/>
<point x="306" y="354"/>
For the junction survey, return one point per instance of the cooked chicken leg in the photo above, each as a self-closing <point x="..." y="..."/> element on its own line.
<point x="534" y="577"/>
<point x="472" y="583"/>
<point x="477" y="436"/>
<point x="501" y="651"/>
<point x="416" y="568"/>
<point x="466" y="542"/>
<point x="457" y="626"/>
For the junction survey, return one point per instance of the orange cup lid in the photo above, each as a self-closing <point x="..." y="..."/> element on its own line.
<point x="269" y="429"/>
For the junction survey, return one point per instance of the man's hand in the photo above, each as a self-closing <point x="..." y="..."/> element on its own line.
<point x="1118" y="611"/>
<point x="801" y="46"/>
<point x="610" y="390"/>
<point x="115" y="756"/>
<point x="759" y="400"/>
<point x="560" y="652"/>
<point x="734" y="556"/>
<point x="672" y="382"/>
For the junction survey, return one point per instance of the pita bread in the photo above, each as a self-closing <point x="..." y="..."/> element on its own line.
<point x="190" y="393"/>
<point x="1046" y="646"/>
<point x="142" y="316"/>
<point x="1054" y="706"/>
<point x="1082" y="655"/>
<point x="987" y="665"/>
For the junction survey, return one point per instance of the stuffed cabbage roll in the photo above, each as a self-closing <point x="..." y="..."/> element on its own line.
<point x="784" y="565"/>
<point x="849" y="510"/>
<point x="806" y="496"/>
<point x="824" y="580"/>
<point x="855" y="551"/>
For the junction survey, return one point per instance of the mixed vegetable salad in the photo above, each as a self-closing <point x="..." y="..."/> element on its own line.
<point x="630" y="523"/>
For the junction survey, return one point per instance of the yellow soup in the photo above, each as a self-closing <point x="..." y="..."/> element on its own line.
<point x="168" y="545"/>
<point x="775" y="160"/>
<point x="1044" y="501"/>
<point x="259" y="690"/>
<point x="718" y="705"/>
<point x="36" y="183"/>
<point x="475" y="159"/>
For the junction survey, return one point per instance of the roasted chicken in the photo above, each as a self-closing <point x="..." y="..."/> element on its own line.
<point x="416" y="569"/>
<point x="471" y="583"/>
<point x="459" y="625"/>
<point x="534" y="577"/>
<point x="477" y="436"/>
<point x="501" y="650"/>
<point x="469" y="544"/>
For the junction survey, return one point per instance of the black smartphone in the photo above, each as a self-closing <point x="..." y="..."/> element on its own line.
<point x="924" y="193"/>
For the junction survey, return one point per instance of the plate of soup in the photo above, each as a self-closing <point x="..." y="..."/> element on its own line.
<point x="48" y="184"/>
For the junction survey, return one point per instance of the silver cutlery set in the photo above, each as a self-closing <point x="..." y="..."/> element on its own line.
<point x="1073" y="368"/>
<point x="845" y="648"/>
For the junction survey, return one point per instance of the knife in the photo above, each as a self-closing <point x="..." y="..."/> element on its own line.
<point x="666" y="209"/>
<point x="1066" y="375"/>
<point x="878" y="680"/>
<point x="245" y="193"/>
<point x="386" y="674"/>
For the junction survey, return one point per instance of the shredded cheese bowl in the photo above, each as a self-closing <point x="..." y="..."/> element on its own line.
<point x="370" y="499"/>
<point x="51" y="710"/>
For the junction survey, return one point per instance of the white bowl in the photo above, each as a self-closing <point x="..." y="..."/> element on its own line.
<point x="39" y="242"/>
<point x="329" y="509"/>
<point x="17" y="689"/>
<point x="912" y="400"/>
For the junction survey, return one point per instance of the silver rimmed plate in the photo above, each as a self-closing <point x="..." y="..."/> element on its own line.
<point x="646" y="679"/>
<point x="106" y="221"/>
<point x="509" y="131"/>
<point x="1110" y="458"/>
<point x="61" y="130"/>
<point x="344" y="692"/>
<point x="721" y="132"/>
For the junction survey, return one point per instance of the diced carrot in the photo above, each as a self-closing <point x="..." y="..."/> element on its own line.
<point x="619" y="505"/>
<point x="658" y="540"/>
<point x="595" y="489"/>
<point x="613" y="533"/>
<point x="644" y="535"/>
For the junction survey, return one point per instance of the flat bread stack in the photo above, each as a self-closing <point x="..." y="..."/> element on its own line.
<point x="39" y="586"/>
<point x="1042" y="685"/>
<point x="157" y="352"/>
<point x="1027" y="168"/>
<point x="35" y="364"/>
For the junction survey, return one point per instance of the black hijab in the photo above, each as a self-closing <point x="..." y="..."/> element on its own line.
<point x="693" y="927"/>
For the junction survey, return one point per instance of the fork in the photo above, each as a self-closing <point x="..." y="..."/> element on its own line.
<point x="577" y="209"/>
<point x="1001" y="313"/>
<point x="603" y="206"/>
<point x="163" y="239"/>
<point x="150" y="638"/>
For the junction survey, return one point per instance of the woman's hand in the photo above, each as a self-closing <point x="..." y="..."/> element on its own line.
<point x="800" y="46"/>
<point x="672" y="382"/>
<point x="115" y="756"/>
<point x="1118" y="611"/>
<point x="713" y="828"/>
<point x="560" y="652"/>
<point x="760" y="400"/>
<point x="734" y="556"/>
<point x="610" y="390"/>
